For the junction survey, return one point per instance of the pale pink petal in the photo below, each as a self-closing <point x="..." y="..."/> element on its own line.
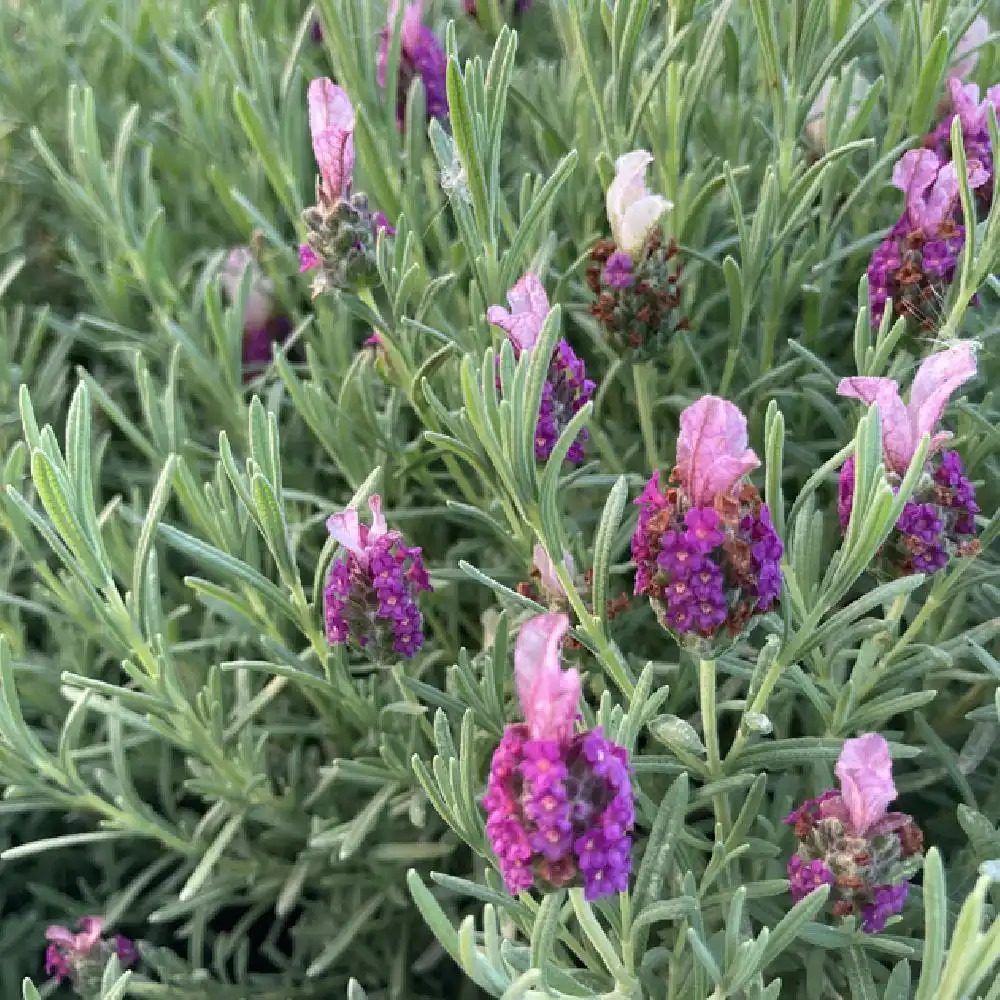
<point x="529" y="309"/>
<point x="90" y="933"/>
<point x="937" y="378"/>
<point x="632" y="211"/>
<point x="412" y="23"/>
<point x="978" y="32"/>
<point x="712" y="452"/>
<point x="346" y="529"/>
<point x="978" y="174"/>
<point x="547" y="570"/>
<point x="897" y="441"/>
<point x="915" y="171"/>
<point x="60" y="935"/>
<point x="865" y="772"/>
<point x="965" y="101"/>
<point x="379" y="527"/>
<point x="940" y="200"/>
<point x="258" y="304"/>
<point x="331" y="122"/>
<point x="548" y="694"/>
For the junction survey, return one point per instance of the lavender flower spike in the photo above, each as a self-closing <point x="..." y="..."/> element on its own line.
<point x="850" y="841"/>
<point x="558" y="804"/>
<point x="371" y="593"/>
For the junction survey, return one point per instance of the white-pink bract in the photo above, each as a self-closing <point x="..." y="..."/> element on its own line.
<point x="346" y="527"/>
<point x="258" y="304"/>
<point x="633" y="211"/>
<point x="547" y="570"/>
<point x="977" y="33"/>
<point x="864" y="769"/>
<point x="931" y="187"/>
<point x="409" y="33"/>
<point x="965" y="101"/>
<point x="712" y="450"/>
<point x="331" y="122"/>
<point x="548" y="694"/>
<point x="904" y="425"/>
<point x="529" y="306"/>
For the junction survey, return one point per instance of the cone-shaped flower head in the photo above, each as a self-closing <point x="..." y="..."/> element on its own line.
<point x="633" y="211"/>
<point x="548" y="694"/>
<point x="529" y="306"/>
<point x="567" y="389"/>
<point x="904" y="425"/>
<point x="81" y="957"/>
<point x="559" y="803"/>
<point x="712" y="450"/>
<point x="331" y="122"/>
<point x="849" y="840"/>
<point x="371" y="594"/>
<point x="705" y="550"/>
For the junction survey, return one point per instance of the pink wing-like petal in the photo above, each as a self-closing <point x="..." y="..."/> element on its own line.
<point x="978" y="32"/>
<point x="60" y="935"/>
<point x="938" y="377"/>
<point x="915" y="171"/>
<point x="965" y="101"/>
<point x="379" y="527"/>
<point x="897" y="438"/>
<point x="547" y="571"/>
<point x="548" y="694"/>
<point x="90" y="933"/>
<point x="331" y="122"/>
<point x="865" y="772"/>
<point x="346" y="529"/>
<point x="529" y="306"/>
<point x="712" y="452"/>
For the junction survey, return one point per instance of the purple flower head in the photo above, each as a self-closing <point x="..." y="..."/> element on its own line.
<point x="567" y="389"/>
<point x="331" y="122"/>
<point x="865" y="772"/>
<point x="712" y="452"/>
<point x="371" y="593"/>
<point x="529" y="307"/>
<point x="931" y="188"/>
<point x="81" y="956"/>
<point x="805" y="876"/>
<point x="420" y="54"/>
<point x="558" y="803"/>
<point x="888" y="901"/>
<point x="904" y="425"/>
<point x="548" y="694"/>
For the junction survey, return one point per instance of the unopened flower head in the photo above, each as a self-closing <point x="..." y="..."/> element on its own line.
<point x="342" y="230"/>
<point x="916" y="262"/>
<point x="567" y="389"/>
<point x="706" y="553"/>
<point x="372" y="591"/>
<point x="420" y="54"/>
<point x="634" y="276"/>
<point x="559" y="802"/>
<point x="263" y="325"/>
<point x="81" y="957"/>
<point x="938" y="522"/>
<point x="850" y="841"/>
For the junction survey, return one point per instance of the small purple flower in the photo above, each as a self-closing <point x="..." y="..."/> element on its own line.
<point x="81" y="957"/>
<point x="421" y="54"/>
<point x="558" y="804"/>
<point x="617" y="271"/>
<point x="567" y="389"/>
<point x="308" y="258"/>
<point x="849" y="840"/>
<point x="371" y="593"/>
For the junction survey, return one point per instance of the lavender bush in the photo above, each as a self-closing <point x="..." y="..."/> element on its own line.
<point x="500" y="498"/>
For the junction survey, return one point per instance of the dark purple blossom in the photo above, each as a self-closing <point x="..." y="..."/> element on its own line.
<point x="558" y="803"/>
<point x="371" y="593"/>
<point x="420" y="54"/>
<point x="82" y="956"/>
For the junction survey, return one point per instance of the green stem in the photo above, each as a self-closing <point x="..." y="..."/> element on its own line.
<point x="710" y="728"/>
<point x="644" y="377"/>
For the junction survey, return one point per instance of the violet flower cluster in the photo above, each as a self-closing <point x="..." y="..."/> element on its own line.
<point x="559" y="803"/>
<point x="849" y="841"/>
<point x="915" y="264"/>
<point x="706" y="553"/>
<point x="371" y="593"/>
<point x="81" y="957"/>
<point x="342" y="230"/>
<point x="939" y="521"/>
<point x="420" y="55"/>
<point x="567" y="389"/>
<point x="634" y="276"/>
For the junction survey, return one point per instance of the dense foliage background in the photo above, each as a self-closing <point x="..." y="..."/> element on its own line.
<point x="180" y="748"/>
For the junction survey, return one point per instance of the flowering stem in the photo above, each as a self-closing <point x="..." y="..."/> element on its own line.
<point x="710" y="728"/>
<point x="643" y="376"/>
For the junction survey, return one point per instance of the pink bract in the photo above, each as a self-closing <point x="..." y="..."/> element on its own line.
<point x="712" y="452"/>
<point x="331" y="122"/>
<point x="865" y="772"/>
<point x="548" y="694"/>
<point x="346" y="528"/>
<point x="529" y="306"/>
<point x="903" y="426"/>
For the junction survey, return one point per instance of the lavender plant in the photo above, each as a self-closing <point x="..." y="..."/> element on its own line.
<point x="362" y="635"/>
